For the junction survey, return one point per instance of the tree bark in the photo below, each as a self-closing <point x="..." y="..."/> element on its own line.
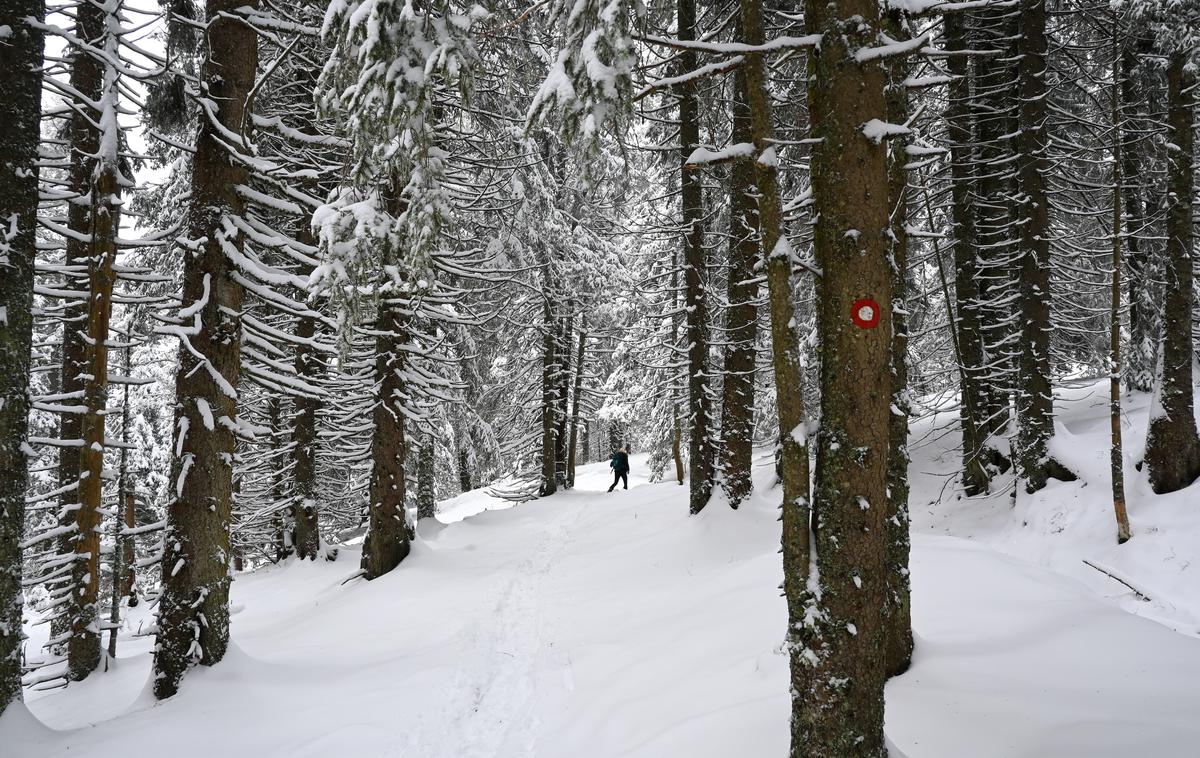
<point x="959" y="125"/>
<point x="426" y="495"/>
<point x="193" y="618"/>
<point x="576" y="395"/>
<point x="464" y="470"/>
<point x="897" y="611"/>
<point x="700" y="448"/>
<point x="1172" y="443"/>
<point x="1035" y="395"/>
<point x="741" y="329"/>
<point x="306" y="509"/>
<point x="83" y="649"/>
<point x="20" y="91"/>
<point x="549" y="378"/>
<point x="995" y="122"/>
<point x="838" y="706"/>
<point x="1139" y="365"/>
<point x="87" y="78"/>
<point x="1117" y="457"/>
<point x="387" y="542"/>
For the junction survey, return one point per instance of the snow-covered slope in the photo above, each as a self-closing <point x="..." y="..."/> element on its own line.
<point x="595" y="625"/>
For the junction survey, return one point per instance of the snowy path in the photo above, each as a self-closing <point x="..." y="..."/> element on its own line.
<point x="594" y="625"/>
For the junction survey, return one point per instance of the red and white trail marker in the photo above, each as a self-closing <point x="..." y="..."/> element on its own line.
<point x="865" y="313"/>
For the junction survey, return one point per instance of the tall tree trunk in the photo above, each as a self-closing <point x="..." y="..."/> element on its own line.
<point x="700" y="448"/>
<point x="193" y="617"/>
<point x="306" y="509"/>
<point x="83" y="649"/>
<point x="677" y="426"/>
<point x="122" y="554"/>
<point x="741" y="330"/>
<point x="21" y="92"/>
<point x="1117" y="457"/>
<point x="840" y="694"/>
<point x="387" y="542"/>
<point x="994" y="118"/>
<point x="562" y="396"/>
<point x="549" y="379"/>
<point x="576" y="400"/>
<point x="785" y="354"/>
<point x="87" y="78"/>
<point x="1139" y="365"/>
<point x="1172" y="444"/>
<point x="1035" y="395"/>
<point x="897" y="611"/>
<point x="959" y="124"/>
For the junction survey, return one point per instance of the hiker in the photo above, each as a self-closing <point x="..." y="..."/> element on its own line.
<point x="620" y="467"/>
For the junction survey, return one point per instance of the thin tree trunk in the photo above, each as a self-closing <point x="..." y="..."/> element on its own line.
<point x="838" y="706"/>
<point x="677" y="426"/>
<point x="549" y="377"/>
<point x="20" y="91"/>
<point x="193" y="617"/>
<point x="1117" y="456"/>
<point x="562" y="396"/>
<point x="785" y="354"/>
<point x="741" y="331"/>
<point x="897" y="611"/>
<point x="1172" y="444"/>
<point x="972" y="406"/>
<point x="426" y="495"/>
<point x="1139" y="365"/>
<point x="577" y="396"/>
<point x="464" y="469"/>
<point x="700" y="448"/>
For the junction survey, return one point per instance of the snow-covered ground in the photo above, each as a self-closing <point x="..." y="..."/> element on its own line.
<point x="595" y="625"/>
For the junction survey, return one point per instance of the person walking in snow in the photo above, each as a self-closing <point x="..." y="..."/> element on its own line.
<point x="620" y="467"/>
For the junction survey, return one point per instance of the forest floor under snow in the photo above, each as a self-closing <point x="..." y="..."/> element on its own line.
<point x="594" y="625"/>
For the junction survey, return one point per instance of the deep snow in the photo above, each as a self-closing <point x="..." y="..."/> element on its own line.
<point x="594" y="625"/>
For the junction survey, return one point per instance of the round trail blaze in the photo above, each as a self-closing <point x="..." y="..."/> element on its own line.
<point x="865" y="313"/>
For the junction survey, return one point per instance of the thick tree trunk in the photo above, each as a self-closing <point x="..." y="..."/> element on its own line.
<point x="20" y="91"/>
<point x="897" y="612"/>
<point x="972" y="407"/>
<point x="387" y="542"/>
<point x="1035" y="395"/>
<point x="995" y="121"/>
<point x="87" y="78"/>
<point x="83" y="649"/>
<point x="741" y="329"/>
<point x="193" y="617"/>
<point x="306" y="509"/>
<point x="1172" y="444"/>
<point x="700" y="448"/>
<point x="576" y="399"/>
<point x="838" y="710"/>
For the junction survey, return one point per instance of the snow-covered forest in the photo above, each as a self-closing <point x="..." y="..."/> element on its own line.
<point x="599" y="378"/>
